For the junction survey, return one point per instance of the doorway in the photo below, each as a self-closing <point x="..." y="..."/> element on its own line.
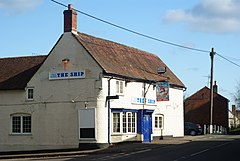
<point x="147" y="126"/>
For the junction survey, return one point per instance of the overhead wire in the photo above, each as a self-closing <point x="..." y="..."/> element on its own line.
<point x="146" y="36"/>
<point x="227" y="60"/>
<point x="132" y="31"/>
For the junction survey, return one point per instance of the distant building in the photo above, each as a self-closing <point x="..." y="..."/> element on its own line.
<point x="234" y="117"/>
<point x="197" y="109"/>
<point x="87" y="92"/>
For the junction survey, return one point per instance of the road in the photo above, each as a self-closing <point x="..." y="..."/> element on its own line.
<point x="220" y="148"/>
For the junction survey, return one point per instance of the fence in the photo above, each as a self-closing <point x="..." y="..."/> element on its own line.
<point x="216" y="129"/>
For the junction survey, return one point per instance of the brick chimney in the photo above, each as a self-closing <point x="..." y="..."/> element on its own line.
<point x="234" y="109"/>
<point x="70" y="20"/>
<point x="215" y="87"/>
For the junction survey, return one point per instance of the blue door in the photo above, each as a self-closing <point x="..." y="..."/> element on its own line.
<point x="147" y="128"/>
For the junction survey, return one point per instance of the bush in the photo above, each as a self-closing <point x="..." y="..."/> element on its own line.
<point x="234" y="131"/>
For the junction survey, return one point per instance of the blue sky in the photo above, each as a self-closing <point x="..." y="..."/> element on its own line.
<point x="32" y="28"/>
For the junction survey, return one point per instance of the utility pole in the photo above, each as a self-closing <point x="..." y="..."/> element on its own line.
<point x="211" y="91"/>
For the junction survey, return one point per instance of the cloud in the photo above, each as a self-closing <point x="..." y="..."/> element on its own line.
<point x="12" y="7"/>
<point x="219" y="16"/>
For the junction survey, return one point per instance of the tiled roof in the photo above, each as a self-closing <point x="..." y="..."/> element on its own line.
<point x="126" y="61"/>
<point x="17" y="71"/>
<point x="114" y="58"/>
<point x="204" y="93"/>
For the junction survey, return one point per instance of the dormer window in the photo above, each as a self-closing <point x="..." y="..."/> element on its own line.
<point x="30" y="93"/>
<point x="119" y="87"/>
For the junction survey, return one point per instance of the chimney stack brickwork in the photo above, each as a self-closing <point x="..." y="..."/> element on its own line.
<point x="234" y="109"/>
<point x="70" y="20"/>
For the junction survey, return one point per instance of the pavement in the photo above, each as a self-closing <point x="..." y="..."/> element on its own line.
<point x="114" y="148"/>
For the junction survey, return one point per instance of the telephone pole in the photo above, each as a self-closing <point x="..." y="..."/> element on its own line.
<point x="211" y="91"/>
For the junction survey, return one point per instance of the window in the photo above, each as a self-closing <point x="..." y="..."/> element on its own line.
<point x="119" y="87"/>
<point x="21" y="124"/>
<point x="116" y="122"/>
<point x="124" y="122"/>
<point x="30" y="92"/>
<point x="86" y="123"/>
<point x="158" y="122"/>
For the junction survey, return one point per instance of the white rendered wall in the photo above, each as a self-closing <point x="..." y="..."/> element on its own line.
<point x="173" y="112"/>
<point x="56" y="103"/>
<point x="54" y="109"/>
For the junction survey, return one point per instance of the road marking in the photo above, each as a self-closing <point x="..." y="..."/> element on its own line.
<point x="199" y="152"/>
<point x="119" y="155"/>
<point x="221" y="145"/>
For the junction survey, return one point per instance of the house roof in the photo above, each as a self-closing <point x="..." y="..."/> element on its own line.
<point x="126" y="61"/>
<point x="205" y="90"/>
<point x="17" y="71"/>
<point x="114" y="58"/>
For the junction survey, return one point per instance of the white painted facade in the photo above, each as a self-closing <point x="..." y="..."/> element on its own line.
<point x="233" y="120"/>
<point x="60" y="108"/>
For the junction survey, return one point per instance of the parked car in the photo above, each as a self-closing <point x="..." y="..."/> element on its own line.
<point x="191" y="128"/>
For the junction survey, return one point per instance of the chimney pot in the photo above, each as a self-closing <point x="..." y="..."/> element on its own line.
<point x="69" y="6"/>
<point x="215" y="87"/>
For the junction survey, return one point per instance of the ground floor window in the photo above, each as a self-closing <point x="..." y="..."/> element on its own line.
<point x="21" y="124"/>
<point x="116" y="122"/>
<point x="124" y="122"/>
<point x="86" y="123"/>
<point x="158" y="121"/>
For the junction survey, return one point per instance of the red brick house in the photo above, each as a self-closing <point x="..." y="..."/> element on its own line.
<point x="197" y="108"/>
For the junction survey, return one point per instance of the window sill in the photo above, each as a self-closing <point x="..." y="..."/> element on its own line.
<point x="120" y="94"/>
<point x="121" y="134"/>
<point x="87" y="139"/>
<point x="20" y="134"/>
<point x="29" y="100"/>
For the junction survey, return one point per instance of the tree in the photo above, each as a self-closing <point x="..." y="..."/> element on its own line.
<point x="236" y="96"/>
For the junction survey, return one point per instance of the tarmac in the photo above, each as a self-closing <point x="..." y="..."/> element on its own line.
<point x="113" y="148"/>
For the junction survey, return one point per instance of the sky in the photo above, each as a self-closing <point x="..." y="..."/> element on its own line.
<point x="33" y="27"/>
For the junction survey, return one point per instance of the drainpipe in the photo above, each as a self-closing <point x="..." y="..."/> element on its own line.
<point x="108" y="101"/>
<point x="144" y="97"/>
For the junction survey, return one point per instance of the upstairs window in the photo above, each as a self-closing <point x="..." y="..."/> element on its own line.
<point x="119" y="87"/>
<point x="30" y="93"/>
<point x="21" y="124"/>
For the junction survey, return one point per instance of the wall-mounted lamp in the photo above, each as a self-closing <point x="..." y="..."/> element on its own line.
<point x="86" y="103"/>
<point x="154" y="86"/>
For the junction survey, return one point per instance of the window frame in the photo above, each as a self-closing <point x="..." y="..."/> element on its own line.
<point x="87" y="123"/>
<point x="116" y="123"/>
<point x="28" y="94"/>
<point x="128" y="123"/>
<point x="25" y="126"/>
<point x="158" y="123"/>
<point x="120" y="87"/>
